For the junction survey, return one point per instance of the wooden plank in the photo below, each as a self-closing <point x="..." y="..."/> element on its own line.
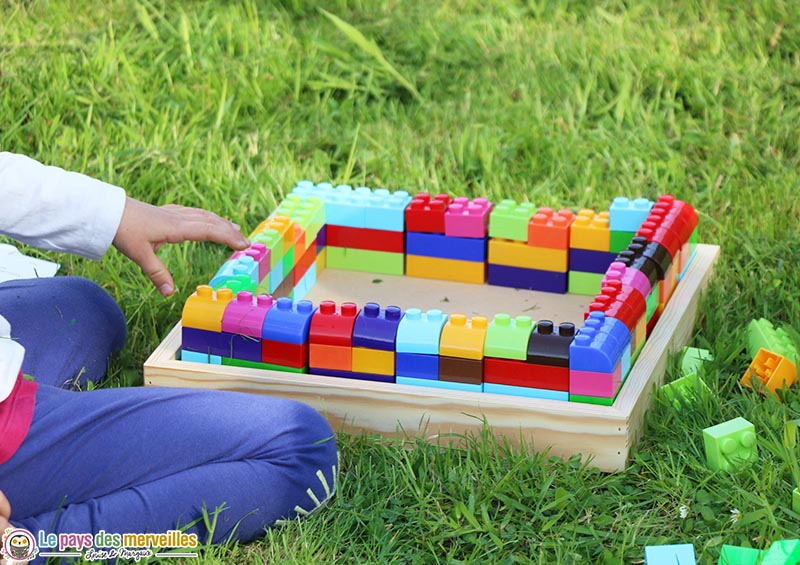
<point x="604" y="434"/>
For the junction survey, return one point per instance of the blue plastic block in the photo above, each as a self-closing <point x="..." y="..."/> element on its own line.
<point x="376" y="328"/>
<point x="387" y="210"/>
<point x="276" y="277"/>
<point x="588" y="261"/>
<point x="322" y="238"/>
<point x="288" y="321"/>
<point x="530" y="279"/>
<point x="215" y="359"/>
<point x="243" y="265"/>
<point x="439" y="384"/>
<point x="628" y="215"/>
<point x="446" y="247"/>
<point x="203" y="341"/>
<point x="417" y="365"/>
<point x="352" y="375"/>
<point x="194" y="356"/>
<point x="347" y="206"/>
<point x="243" y="347"/>
<point x="682" y="554"/>
<point x="526" y="392"/>
<point x="599" y="345"/>
<point x="420" y="332"/>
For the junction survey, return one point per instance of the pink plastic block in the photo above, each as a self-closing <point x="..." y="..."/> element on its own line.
<point x="628" y="277"/>
<point x="245" y="315"/>
<point x="261" y="254"/>
<point x="589" y="383"/>
<point x="467" y="219"/>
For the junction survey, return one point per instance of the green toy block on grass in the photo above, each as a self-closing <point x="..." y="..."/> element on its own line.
<point x="687" y="388"/>
<point x="796" y="500"/>
<point x="366" y="261"/>
<point x="509" y="220"/>
<point x="732" y="555"/>
<point x="587" y="284"/>
<point x="730" y="445"/>
<point x="761" y="334"/>
<point x="784" y="552"/>
<point x="693" y="358"/>
<point x="507" y="337"/>
<point x="620" y="240"/>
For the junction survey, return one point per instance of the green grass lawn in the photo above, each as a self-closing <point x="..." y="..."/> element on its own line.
<point x="225" y="105"/>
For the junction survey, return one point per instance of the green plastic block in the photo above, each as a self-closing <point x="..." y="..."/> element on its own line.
<point x="688" y="388"/>
<point x="761" y="334"/>
<point x="263" y="286"/>
<point x="732" y="555"/>
<point x="730" y="445"/>
<point x="784" y="552"/>
<point x="620" y="240"/>
<point x="288" y="262"/>
<point x="507" y="337"/>
<point x="599" y="400"/>
<point x="796" y="500"/>
<point x="237" y="284"/>
<point x="509" y="220"/>
<point x="230" y="361"/>
<point x="584" y="283"/>
<point x="382" y="262"/>
<point x="306" y="211"/>
<point x="652" y="302"/>
<point x="693" y="359"/>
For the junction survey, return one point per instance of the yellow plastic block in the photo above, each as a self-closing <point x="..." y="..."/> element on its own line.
<point x="373" y="361"/>
<point x="463" y="337"/>
<point x="446" y="269"/>
<point x="590" y="231"/>
<point x="520" y="254"/>
<point x="773" y="370"/>
<point x="203" y="309"/>
<point x="322" y="260"/>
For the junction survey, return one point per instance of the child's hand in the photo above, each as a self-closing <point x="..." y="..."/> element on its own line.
<point x="145" y="228"/>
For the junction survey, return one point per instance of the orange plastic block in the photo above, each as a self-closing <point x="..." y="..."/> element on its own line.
<point x="334" y="357"/>
<point x="373" y="361"/>
<point x="281" y="224"/>
<point x="463" y="337"/>
<point x="520" y="254"/>
<point x="550" y="229"/>
<point x="299" y="242"/>
<point x="773" y="370"/>
<point x="591" y="231"/>
<point x="446" y="269"/>
<point x="204" y="309"/>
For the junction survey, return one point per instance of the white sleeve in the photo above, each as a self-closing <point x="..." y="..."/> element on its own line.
<point x="54" y="209"/>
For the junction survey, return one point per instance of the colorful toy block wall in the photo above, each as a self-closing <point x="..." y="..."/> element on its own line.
<point x="629" y="258"/>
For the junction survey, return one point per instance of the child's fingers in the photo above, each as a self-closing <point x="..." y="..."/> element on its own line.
<point x="210" y="227"/>
<point x="155" y="270"/>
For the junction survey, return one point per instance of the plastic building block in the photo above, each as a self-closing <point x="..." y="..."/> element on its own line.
<point x="322" y="259"/>
<point x="417" y="365"/>
<point x="284" y="226"/>
<point x="522" y="374"/>
<point x="620" y="240"/>
<point x="335" y="357"/>
<point x="322" y="238"/>
<point x="586" y="399"/>
<point x="194" y="356"/>
<point x="550" y="229"/>
<point x="376" y="328"/>
<point x="507" y="337"/>
<point x="693" y="358"/>
<point x="364" y="260"/>
<point x="684" y="389"/>
<point x="420" y="332"/>
<point x="653" y="251"/>
<point x="245" y="314"/>
<point x="445" y="269"/>
<point x="600" y="344"/>
<point x="773" y="370"/>
<point x="628" y="277"/>
<point x="591" y="231"/>
<point x="346" y="206"/>
<point x="386" y="210"/>
<point x="241" y="347"/>
<point x="260" y="254"/>
<point x="446" y="247"/>
<point x="363" y="238"/>
<point x="530" y="279"/>
<point x="731" y="555"/>
<point x="285" y="288"/>
<point x="589" y="261"/>
<point x="761" y="334"/>
<point x="284" y="354"/>
<point x="447" y="385"/>
<point x="332" y="325"/>
<point x="288" y="263"/>
<point x="463" y="338"/>
<point x="509" y="220"/>
<point x="237" y="284"/>
<point x="288" y="322"/>
<point x="730" y="444"/>
<point x="583" y="283"/>
<point x="352" y="375"/>
<point x="680" y="554"/>
<point x="204" y="309"/>
<point x="304" y="264"/>
<point x="467" y="219"/>
<point x="231" y="362"/>
<point x="526" y="392"/>
<point x="628" y="215"/>
<point x="203" y="341"/>
<point x="426" y="214"/>
<point x="549" y="348"/>
<point x="796" y="500"/>
<point x="783" y="552"/>
<point x="519" y="254"/>
<point x="374" y="361"/>
<point x="594" y="383"/>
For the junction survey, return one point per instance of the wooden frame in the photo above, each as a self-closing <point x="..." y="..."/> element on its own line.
<point x="603" y="433"/>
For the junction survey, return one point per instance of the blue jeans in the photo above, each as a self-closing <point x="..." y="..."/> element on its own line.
<point x="136" y="460"/>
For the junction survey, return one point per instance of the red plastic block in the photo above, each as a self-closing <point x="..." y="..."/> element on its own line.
<point x="519" y="373"/>
<point x="550" y="229"/>
<point x="260" y="254"/>
<point x="333" y="357"/>
<point x="426" y="214"/>
<point x="332" y="325"/>
<point x="467" y="219"/>
<point x="284" y="354"/>
<point x="304" y="264"/>
<point x="364" y="238"/>
<point x="245" y="314"/>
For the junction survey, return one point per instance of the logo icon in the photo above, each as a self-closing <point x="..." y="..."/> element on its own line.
<point x="18" y="545"/>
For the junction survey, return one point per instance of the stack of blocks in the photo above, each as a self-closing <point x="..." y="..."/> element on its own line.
<point x="269" y="325"/>
<point x="774" y="357"/>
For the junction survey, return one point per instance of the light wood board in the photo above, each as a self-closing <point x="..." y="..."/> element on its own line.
<point x="605" y="434"/>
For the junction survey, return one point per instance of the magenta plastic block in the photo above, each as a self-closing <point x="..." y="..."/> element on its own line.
<point x="376" y="328"/>
<point x="352" y="375"/>
<point x="288" y="322"/>
<point x="261" y="254"/>
<point x="628" y="277"/>
<point x="530" y="279"/>
<point x="245" y="314"/>
<point x="589" y="261"/>
<point x="467" y="219"/>
<point x="593" y="383"/>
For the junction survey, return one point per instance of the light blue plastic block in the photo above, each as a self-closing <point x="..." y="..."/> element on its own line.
<point x="420" y="332"/>
<point x="682" y="554"/>
<point x="276" y="277"/>
<point x="215" y="359"/>
<point x="244" y="265"/>
<point x="323" y="190"/>
<point x="387" y="210"/>
<point x="305" y="284"/>
<point x="194" y="356"/>
<point x="626" y="361"/>
<point x="526" y="392"/>
<point x="430" y="383"/>
<point x="347" y="206"/>
<point x="628" y="215"/>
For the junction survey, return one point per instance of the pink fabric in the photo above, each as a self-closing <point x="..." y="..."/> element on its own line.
<point x="16" y="414"/>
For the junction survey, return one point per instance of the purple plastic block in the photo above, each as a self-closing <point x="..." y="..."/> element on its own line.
<point x="417" y="365"/>
<point x="376" y="328"/>
<point x="589" y="261"/>
<point x="261" y="254"/>
<point x="599" y="345"/>
<point x="245" y="347"/>
<point x="467" y="219"/>
<point x="351" y="375"/>
<point x="245" y="314"/>
<point x="288" y="322"/>
<point x="202" y="341"/>
<point x="530" y="279"/>
<point x="628" y="277"/>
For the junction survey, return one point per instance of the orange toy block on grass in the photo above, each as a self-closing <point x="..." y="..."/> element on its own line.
<point x="204" y="309"/>
<point x="590" y="231"/>
<point x="463" y="338"/>
<point x="773" y="370"/>
<point x="550" y="229"/>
